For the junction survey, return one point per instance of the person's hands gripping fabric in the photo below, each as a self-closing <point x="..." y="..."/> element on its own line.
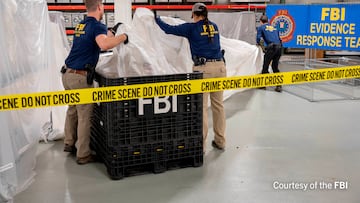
<point x="262" y="46"/>
<point x="114" y="29"/>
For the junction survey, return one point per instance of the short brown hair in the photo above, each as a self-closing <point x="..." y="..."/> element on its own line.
<point x="92" y="4"/>
<point x="264" y="19"/>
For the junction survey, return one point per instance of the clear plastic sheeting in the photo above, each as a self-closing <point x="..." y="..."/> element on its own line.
<point x="242" y="26"/>
<point x="151" y="51"/>
<point x="29" y="63"/>
<point x="59" y="32"/>
<point x="58" y="47"/>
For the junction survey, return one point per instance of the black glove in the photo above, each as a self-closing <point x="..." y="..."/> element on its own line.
<point x="114" y="29"/>
<point x="127" y="39"/>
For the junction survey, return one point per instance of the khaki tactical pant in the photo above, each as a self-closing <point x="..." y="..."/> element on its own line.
<point x="78" y="117"/>
<point x="214" y="70"/>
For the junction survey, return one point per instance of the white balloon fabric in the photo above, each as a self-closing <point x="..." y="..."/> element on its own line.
<point x="151" y="51"/>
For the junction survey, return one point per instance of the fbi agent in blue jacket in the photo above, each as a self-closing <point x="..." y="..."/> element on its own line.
<point x="273" y="46"/>
<point x="204" y="39"/>
<point x="90" y="37"/>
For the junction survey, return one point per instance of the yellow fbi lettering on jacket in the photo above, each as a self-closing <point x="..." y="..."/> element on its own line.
<point x="209" y="29"/>
<point x="270" y="28"/>
<point x="79" y="30"/>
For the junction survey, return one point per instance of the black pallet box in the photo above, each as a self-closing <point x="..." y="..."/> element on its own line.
<point x="159" y="157"/>
<point x="130" y="143"/>
<point x="144" y="129"/>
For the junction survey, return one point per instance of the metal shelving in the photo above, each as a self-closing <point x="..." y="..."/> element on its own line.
<point x="110" y="8"/>
<point x="161" y="7"/>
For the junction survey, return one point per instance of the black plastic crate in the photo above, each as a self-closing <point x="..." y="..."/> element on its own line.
<point x="174" y="148"/>
<point x="122" y="122"/>
<point x="133" y="110"/>
<point x="124" y="156"/>
<point x="155" y="151"/>
<point x="148" y="131"/>
<point x="117" y="173"/>
<point x="181" y="148"/>
<point x="131" y="143"/>
<point x="150" y="158"/>
<point x="130" y="160"/>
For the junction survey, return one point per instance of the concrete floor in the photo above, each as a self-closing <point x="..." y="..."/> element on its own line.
<point x="273" y="138"/>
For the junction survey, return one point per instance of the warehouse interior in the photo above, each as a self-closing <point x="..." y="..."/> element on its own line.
<point x="272" y="137"/>
<point x="299" y="145"/>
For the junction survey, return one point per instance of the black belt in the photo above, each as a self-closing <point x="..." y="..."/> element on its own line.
<point x="274" y="45"/>
<point x="214" y="60"/>
<point x="198" y="61"/>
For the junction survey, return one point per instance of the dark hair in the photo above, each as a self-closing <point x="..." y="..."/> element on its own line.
<point x="264" y="19"/>
<point x="204" y="13"/>
<point x="92" y="4"/>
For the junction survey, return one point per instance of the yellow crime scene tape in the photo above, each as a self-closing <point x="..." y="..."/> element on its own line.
<point x="149" y="90"/>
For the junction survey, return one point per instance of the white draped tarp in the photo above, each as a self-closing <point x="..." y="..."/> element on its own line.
<point x="31" y="49"/>
<point x="152" y="52"/>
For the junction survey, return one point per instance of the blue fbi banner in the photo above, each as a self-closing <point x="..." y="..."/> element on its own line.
<point x="327" y="27"/>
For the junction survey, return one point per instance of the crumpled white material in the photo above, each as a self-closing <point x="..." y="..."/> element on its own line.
<point x="151" y="51"/>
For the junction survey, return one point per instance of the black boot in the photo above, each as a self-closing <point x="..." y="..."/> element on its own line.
<point x="278" y="88"/>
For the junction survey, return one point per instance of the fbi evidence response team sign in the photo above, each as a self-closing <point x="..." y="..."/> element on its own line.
<point x="327" y="27"/>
